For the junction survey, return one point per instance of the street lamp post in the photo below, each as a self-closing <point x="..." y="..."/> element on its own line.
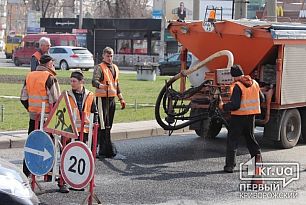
<point x="10" y="19"/>
<point x="81" y="14"/>
<point x="162" y="32"/>
<point x="271" y="10"/>
<point x="26" y="16"/>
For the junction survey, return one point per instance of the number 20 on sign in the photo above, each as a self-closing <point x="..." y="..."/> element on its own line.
<point x="77" y="165"/>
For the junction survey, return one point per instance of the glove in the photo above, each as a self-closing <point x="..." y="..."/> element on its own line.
<point x="123" y="103"/>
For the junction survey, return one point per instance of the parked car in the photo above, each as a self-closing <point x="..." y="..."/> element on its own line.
<point x="23" y="50"/>
<point x="14" y="186"/>
<point x="67" y="57"/>
<point x="172" y="64"/>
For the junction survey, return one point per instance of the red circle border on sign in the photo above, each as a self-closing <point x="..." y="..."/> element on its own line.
<point x="91" y="159"/>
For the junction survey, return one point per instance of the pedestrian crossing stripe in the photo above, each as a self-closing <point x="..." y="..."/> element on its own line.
<point x="60" y="120"/>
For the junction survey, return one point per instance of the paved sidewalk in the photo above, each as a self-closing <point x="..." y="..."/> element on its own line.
<point x="120" y="131"/>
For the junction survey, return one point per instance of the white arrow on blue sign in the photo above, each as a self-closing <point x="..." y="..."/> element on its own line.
<point x="39" y="153"/>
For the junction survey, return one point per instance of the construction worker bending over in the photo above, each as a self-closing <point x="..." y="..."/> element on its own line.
<point x="106" y="81"/>
<point x="244" y="105"/>
<point x="44" y="46"/>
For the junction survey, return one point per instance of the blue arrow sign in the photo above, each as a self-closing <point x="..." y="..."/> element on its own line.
<point x="39" y="153"/>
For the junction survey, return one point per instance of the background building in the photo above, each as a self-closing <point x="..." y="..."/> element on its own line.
<point x="127" y="36"/>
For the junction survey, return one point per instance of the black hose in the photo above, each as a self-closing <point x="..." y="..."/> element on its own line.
<point x="162" y="97"/>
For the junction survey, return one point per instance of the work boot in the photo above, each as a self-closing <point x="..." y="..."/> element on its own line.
<point x="64" y="189"/>
<point x="228" y="169"/>
<point x="258" y="158"/>
<point x="107" y="150"/>
<point x="257" y="178"/>
<point x="230" y="162"/>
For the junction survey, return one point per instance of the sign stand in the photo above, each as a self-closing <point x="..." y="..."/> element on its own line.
<point x="61" y="122"/>
<point x="92" y="195"/>
<point x="56" y="145"/>
<point x="42" y="115"/>
<point x="39" y="154"/>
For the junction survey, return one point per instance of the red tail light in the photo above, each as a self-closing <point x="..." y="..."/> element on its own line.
<point x="74" y="56"/>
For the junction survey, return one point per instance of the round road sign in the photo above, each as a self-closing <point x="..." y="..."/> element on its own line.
<point x="77" y="165"/>
<point x="39" y="153"/>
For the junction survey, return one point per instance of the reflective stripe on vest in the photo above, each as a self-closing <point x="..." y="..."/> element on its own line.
<point x="250" y="102"/>
<point x="108" y="77"/>
<point x="87" y="102"/>
<point x="36" y="88"/>
<point x="37" y="55"/>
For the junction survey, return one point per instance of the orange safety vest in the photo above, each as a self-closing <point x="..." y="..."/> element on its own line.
<point x="212" y="16"/>
<point x="250" y="102"/>
<point x="112" y="83"/>
<point x="36" y="87"/>
<point x="86" y="108"/>
<point x="37" y="55"/>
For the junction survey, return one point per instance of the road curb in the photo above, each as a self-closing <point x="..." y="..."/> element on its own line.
<point x="16" y="139"/>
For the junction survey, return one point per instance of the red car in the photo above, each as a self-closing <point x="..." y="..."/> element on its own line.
<point x="30" y="43"/>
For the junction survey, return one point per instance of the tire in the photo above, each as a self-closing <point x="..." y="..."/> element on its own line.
<point x="214" y="129"/>
<point x="201" y="132"/>
<point x="211" y="132"/>
<point x="290" y="129"/>
<point x="303" y="128"/>
<point x="203" y="129"/>
<point x="64" y="65"/>
<point x="16" y="62"/>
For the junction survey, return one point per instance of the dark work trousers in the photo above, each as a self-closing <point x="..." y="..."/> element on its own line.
<point x="240" y="125"/>
<point x="30" y="129"/>
<point x="106" y="148"/>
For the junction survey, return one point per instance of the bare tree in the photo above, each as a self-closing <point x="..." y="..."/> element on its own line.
<point x="48" y="8"/>
<point x="68" y="8"/>
<point x="122" y="9"/>
<point x="96" y="8"/>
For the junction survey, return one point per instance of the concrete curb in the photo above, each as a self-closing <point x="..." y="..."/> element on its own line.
<point x="120" y="131"/>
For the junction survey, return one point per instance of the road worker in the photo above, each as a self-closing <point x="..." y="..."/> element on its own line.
<point x="106" y="81"/>
<point x="83" y="100"/>
<point x="40" y="86"/>
<point x="44" y="46"/>
<point x="244" y="105"/>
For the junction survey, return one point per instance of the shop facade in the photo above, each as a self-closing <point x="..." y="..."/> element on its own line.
<point x="126" y="36"/>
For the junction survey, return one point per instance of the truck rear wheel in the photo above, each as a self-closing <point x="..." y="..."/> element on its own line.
<point x="303" y="128"/>
<point x="290" y="129"/>
<point x="214" y="129"/>
<point x="202" y="130"/>
<point x="211" y="131"/>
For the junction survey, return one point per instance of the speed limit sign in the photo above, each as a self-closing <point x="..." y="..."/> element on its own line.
<point x="77" y="165"/>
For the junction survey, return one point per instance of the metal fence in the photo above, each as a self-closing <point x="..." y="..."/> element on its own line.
<point x="131" y="60"/>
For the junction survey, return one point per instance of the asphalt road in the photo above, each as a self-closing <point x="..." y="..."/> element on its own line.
<point x="180" y="169"/>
